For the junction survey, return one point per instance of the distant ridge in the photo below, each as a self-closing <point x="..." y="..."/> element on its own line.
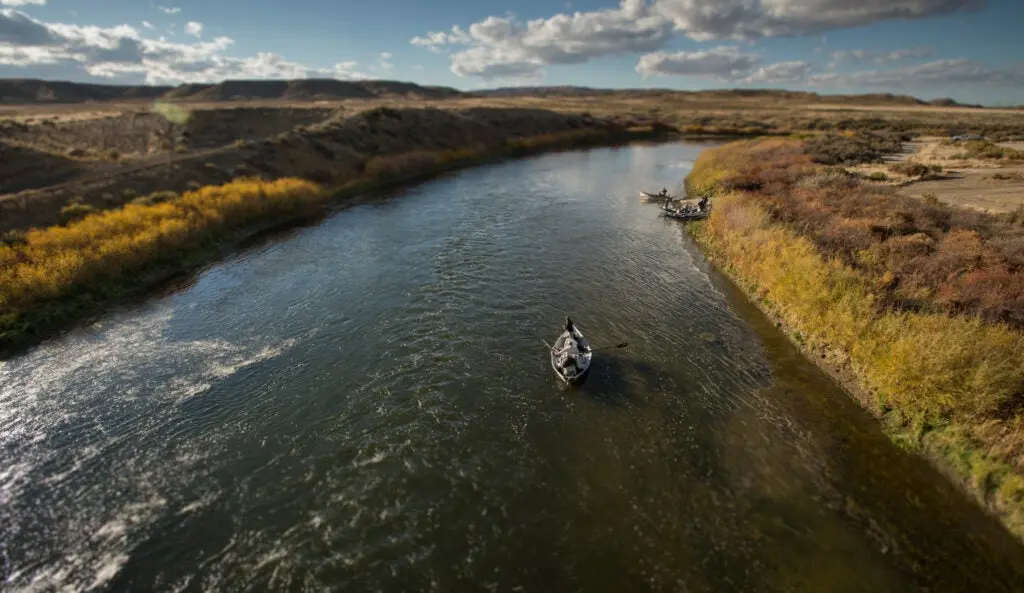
<point x="947" y="102"/>
<point x="35" y="91"/>
<point x="808" y="96"/>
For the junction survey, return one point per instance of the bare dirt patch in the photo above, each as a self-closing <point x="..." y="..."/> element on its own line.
<point x="993" y="186"/>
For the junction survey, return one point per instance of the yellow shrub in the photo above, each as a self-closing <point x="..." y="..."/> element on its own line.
<point x="931" y="366"/>
<point x="948" y="384"/>
<point x="106" y="246"/>
<point x="746" y="163"/>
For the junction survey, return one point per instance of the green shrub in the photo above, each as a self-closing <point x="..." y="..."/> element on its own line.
<point x="852" y="149"/>
<point x="75" y="211"/>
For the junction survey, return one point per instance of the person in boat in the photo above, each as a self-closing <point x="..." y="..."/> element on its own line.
<point x="664" y="191"/>
<point x="573" y="332"/>
<point x="702" y="205"/>
<point x="567" y="354"/>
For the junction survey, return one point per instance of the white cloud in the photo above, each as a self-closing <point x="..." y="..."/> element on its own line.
<point x="343" y="71"/>
<point x="122" y="52"/>
<point x="881" y="57"/>
<point x="168" y="10"/>
<point x="781" y="73"/>
<point x="720" y="62"/>
<point x="383" y="61"/>
<point x="31" y="56"/>
<point x="939" y="73"/>
<point x="725" y="63"/>
<point x="703" y="20"/>
<point x="148" y="25"/>
<point x="22" y="2"/>
<point x="194" y="28"/>
<point x="501" y="47"/>
<point x="18" y="29"/>
<point x="436" y="41"/>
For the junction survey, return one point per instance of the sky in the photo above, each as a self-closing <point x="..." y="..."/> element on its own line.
<point x="970" y="50"/>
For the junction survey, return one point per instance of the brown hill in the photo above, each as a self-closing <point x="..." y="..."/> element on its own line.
<point x="947" y="102"/>
<point x="772" y="94"/>
<point x="25" y="90"/>
<point x="32" y="91"/>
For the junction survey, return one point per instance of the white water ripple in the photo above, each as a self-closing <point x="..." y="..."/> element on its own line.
<point x="80" y="405"/>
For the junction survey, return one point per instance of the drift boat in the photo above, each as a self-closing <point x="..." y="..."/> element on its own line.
<point x="571" y="365"/>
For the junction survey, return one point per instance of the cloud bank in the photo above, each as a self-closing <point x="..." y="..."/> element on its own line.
<point x="499" y="47"/>
<point x="123" y="52"/>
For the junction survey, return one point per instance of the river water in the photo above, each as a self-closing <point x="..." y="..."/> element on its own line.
<point x="366" y="404"/>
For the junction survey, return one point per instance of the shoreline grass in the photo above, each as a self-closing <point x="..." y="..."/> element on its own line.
<point x="53" y="277"/>
<point x="835" y="263"/>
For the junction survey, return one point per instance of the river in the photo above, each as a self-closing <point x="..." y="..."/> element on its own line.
<point x="367" y="404"/>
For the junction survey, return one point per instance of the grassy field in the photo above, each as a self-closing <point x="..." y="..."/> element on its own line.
<point x="920" y="305"/>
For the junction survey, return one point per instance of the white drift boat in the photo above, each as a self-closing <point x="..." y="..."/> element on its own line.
<point x="571" y="356"/>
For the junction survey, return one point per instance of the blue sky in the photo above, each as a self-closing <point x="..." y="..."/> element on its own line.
<point x="971" y="50"/>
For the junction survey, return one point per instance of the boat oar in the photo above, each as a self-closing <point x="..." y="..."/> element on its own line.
<point x="622" y="345"/>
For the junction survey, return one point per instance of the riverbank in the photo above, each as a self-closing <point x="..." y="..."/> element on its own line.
<point x="197" y="149"/>
<point x="53" y="277"/>
<point x="917" y="306"/>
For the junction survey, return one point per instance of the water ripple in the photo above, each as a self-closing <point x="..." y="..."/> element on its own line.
<point x="368" y="405"/>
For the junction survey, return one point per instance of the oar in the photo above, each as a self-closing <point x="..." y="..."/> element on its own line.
<point x="622" y="345"/>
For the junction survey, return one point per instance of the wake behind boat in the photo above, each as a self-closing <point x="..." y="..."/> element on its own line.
<point x="571" y="355"/>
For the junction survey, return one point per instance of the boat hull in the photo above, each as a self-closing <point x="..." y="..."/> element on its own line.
<point x="583" y="360"/>
<point x="686" y="215"/>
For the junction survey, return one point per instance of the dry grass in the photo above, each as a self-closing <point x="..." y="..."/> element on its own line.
<point x="983" y="149"/>
<point x="923" y="256"/>
<point x="915" y="169"/>
<point x="837" y="261"/>
<point x="55" y="271"/>
<point x="242" y="138"/>
<point x="750" y="165"/>
<point x="853" y="148"/>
